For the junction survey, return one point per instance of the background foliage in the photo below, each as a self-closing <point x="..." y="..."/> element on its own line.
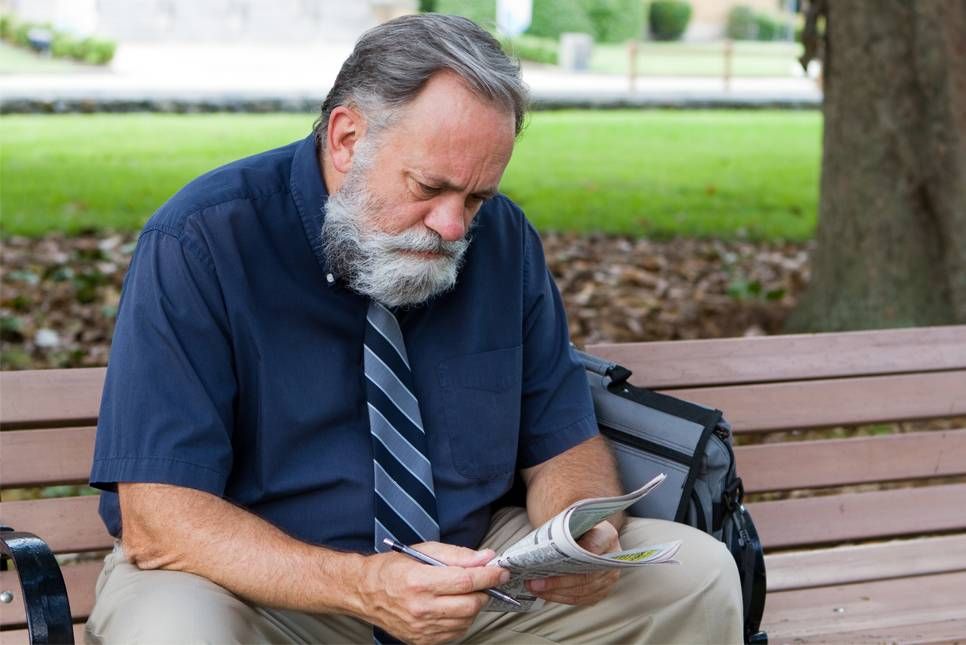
<point x="668" y="19"/>
<point x="608" y="21"/>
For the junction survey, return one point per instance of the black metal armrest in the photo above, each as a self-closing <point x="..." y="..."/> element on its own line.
<point x="42" y="586"/>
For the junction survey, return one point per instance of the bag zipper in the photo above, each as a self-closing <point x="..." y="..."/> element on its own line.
<point x="640" y="443"/>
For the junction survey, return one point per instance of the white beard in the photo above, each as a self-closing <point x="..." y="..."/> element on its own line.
<point x="379" y="265"/>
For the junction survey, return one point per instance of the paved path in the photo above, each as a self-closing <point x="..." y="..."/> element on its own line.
<point x="303" y="74"/>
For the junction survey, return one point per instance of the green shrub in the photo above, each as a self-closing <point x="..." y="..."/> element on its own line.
<point x="482" y="12"/>
<point x="741" y="24"/>
<point x="607" y="21"/>
<point x="78" y="48"/>
<point x="615" y="21"/>
<point x="768" y="28"/>
<point x="532" y="48"/>
<point x="746" y="24"/>
<point x="20" y="34"/>
<point x="94" y="51"/>
<point x="554" y="17"/>
<point x="668" y="19"/>
<point x="62" y="46"/>
<point x="6" y="26"/>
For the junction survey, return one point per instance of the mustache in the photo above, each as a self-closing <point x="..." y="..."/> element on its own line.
<point x="425" y="241"/>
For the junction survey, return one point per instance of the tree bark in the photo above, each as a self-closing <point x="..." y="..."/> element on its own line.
<point x="891" y="238"/>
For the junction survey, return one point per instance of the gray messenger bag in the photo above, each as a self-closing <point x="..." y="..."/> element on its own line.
<point x="654" y="433"/>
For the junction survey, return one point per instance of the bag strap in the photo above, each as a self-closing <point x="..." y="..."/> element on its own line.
<point x="759" y="584"/>
<point x="616" y="373"/>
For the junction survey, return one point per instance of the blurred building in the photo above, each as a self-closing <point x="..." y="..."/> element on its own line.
<point x="212" y="21"/>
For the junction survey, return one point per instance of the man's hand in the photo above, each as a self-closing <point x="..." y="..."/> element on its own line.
<point x="419" y="603"/>
<point x="583" y="589"/>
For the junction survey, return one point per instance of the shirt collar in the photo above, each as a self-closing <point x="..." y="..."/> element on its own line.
<point x="309" y="194"/>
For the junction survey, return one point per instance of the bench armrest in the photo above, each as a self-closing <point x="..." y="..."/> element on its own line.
<point x="42" y="586"/>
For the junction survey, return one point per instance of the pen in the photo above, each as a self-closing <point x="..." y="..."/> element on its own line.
<point x="425" y="559"/>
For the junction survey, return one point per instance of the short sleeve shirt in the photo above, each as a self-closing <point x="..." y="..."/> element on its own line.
<point x="236" y="365"/>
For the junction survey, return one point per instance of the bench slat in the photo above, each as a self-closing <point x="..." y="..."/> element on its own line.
<point x="923" y="609"/>
<point x="52" y="456"/>
<point x="50" y="398"/>
<point x="813" y="404"/>
<point x="67" y="524"/>
<point x="63" y="456"/>
<point x="945" y="631"/>
<point x="79" y="579"/>
<point x="860" y="516"/>
<point x="842" y="462"/>
<point x="21" y="637"/>
<point x="46" y="398"/>
<point x="865" y="562"/>
<point x="784" y="358"/>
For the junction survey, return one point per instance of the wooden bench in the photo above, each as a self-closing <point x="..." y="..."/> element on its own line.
<point x="871" y="546"/>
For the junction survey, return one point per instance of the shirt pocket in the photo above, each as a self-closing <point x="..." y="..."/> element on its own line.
<point x="481" y="402"/>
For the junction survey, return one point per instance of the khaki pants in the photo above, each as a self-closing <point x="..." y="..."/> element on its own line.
<point x="698" y="601"/>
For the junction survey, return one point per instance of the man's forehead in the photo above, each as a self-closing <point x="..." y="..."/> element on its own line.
<point x="450" y="137"/>
<point x="448" y="107"/>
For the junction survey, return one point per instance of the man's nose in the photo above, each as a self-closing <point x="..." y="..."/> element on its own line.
<point x="447" y="218"/>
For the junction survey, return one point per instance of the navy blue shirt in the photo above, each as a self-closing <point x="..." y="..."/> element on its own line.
<point x="236" y="365"/>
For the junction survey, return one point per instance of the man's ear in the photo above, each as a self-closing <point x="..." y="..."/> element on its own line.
<point x="346" y="127"/>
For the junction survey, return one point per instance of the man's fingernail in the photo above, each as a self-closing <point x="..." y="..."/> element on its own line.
<point x="537" y="585"/>
<point x="504" y="577"/>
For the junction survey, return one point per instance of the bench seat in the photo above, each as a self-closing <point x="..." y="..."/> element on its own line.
<point x="864" y="527"/>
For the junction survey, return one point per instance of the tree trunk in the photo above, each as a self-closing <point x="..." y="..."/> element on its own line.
<point x="891" y="239"/>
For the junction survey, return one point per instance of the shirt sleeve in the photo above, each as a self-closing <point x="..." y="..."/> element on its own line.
<point x="167" y="409"/>
<point x="557" y="412"/>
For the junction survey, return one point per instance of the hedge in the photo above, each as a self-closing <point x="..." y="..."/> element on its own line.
<point x="607" y="21"/>
<point x="668" y="19"/>
<point x="94" y="51"/>
<point x="532" y="48"/>
<point x="744" y="23"/>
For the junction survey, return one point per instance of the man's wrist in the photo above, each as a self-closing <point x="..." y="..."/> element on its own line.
<point x="338" y="582"/>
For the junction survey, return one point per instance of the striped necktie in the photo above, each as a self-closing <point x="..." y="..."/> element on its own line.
<point x="405" y="502"/>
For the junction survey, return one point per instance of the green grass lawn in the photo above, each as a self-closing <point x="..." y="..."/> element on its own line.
<point x="699" y="59"/>
<point x="662" y="173"/>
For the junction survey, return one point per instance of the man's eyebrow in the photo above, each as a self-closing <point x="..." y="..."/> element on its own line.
<point x="443" y="184"/>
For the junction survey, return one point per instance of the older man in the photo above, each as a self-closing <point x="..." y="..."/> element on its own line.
<point x="311" y="356"/>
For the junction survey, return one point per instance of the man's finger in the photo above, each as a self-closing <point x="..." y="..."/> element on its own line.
<point x="585" y="588"/>
<point x="460" y="607"/>
<point x="456" y="556"/>
<point x="561" y="583"/>
<point x="459" y="580"/>
<point x="601" y="538"/>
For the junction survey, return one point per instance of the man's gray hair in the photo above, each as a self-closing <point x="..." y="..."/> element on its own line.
<point x="391" y="63"/>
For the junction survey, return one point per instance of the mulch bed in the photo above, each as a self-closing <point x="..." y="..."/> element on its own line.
<point x="60" y="294"/>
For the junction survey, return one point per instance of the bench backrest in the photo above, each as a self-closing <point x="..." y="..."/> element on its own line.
<point x="779" y="383"/>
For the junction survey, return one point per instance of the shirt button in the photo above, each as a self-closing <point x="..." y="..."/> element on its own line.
<point x="329" y="278"/>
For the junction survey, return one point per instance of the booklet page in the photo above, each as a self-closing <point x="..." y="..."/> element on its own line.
<point x="552" y="549"/>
